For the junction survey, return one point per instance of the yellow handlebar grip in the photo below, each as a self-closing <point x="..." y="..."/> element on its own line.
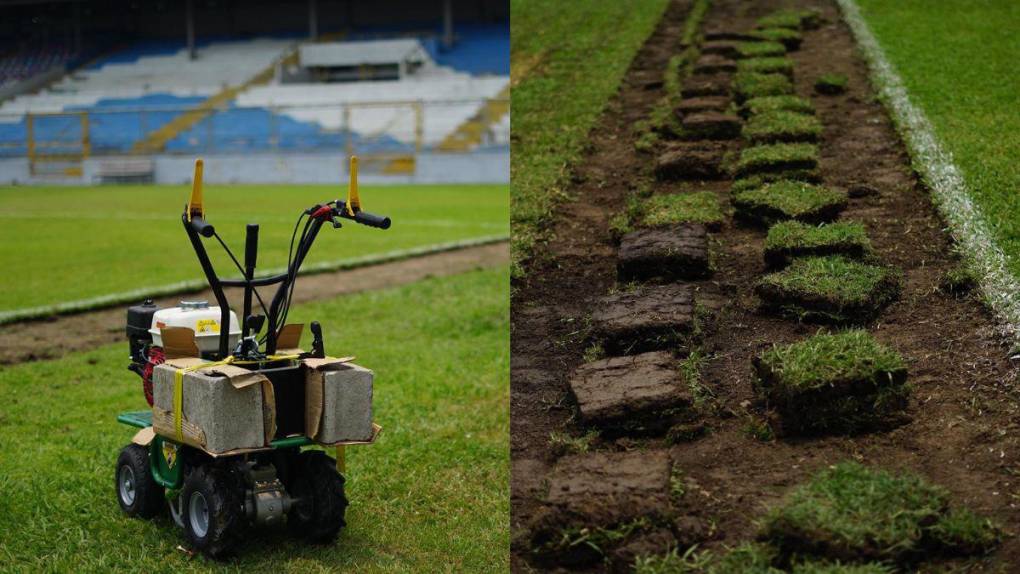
<point x="195" y="203"/>
<point x="353" y="201"/>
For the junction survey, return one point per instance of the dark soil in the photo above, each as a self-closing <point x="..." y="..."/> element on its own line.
<point x="963" y="408"/>
<point x="57" y="336"/>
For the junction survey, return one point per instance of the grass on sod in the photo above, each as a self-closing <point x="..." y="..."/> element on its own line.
<point x="791" y="19"/>
<point x="781" y="126"/>
<point x="833" y="383"/>
<point x="777" y="65"/>
<point x="695" y="207"/>
<point x="567" y="60"/>
<point x="767" y="104"/>
<point x="748" y="85"/>
<point x="960" y="84"/>
<point x="831" y="84"/>
<point x="776" y="157"/>
<point x="791" y="39"/>
<point x="431" y="494"/>
<point x="114" y="239"/>
<point x="789" y="239"/>
<point x="832" y="287"/>
<point x="828" y="361"/>
<point x="757" y="180"/>
<point x="852" y="512"/>
<point x="782" y="200"/>
<point x="760" y="49"/>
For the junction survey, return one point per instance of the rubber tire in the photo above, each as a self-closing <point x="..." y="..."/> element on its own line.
<point x="148" y="493"/>
<point x="318" y="514"/>
<point x="223" y="492"/>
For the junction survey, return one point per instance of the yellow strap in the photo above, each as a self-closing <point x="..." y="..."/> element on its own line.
<point x="179" y="384"/>
<point x="341" y="459"/>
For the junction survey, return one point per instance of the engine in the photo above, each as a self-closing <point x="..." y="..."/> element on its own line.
<point x="144" y="322"/>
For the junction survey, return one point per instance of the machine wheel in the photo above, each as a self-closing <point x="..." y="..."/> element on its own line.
<point x="138" y="493"/>
<point x="213" y="511"/>
<point x="318" y="512"/>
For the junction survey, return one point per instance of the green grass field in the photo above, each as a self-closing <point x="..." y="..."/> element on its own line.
<point x="432" y="495"/>
<point x="958" y="62"/>
<point x="62" y="244"/>
<point x="567" y="60"/>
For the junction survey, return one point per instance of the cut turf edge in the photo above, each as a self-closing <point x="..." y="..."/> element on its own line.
<point x="967" y="223"/>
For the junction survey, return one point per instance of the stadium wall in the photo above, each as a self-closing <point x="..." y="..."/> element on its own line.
<point x="489" y="166"/>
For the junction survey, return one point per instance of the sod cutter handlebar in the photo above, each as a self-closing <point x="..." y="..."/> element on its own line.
<point x="197" y="227"/>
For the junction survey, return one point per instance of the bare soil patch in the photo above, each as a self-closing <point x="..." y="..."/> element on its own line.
<point x="58" y="336"/>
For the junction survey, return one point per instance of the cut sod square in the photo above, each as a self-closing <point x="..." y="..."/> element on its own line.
<point x="647" y="318"/>
<point x="633" y="394"/>
<point x="783" y="200"/>
<point x="789" y="239"/>
<point x="773" y="65"/>
<point x="758" y="180"/>
<point x="845" y="382"/>
<point x="599" y="501"/>
<point x="791" y="39"/>
<point x="791" y="19"/>
<point x="723" y="32"/>
<point x="724" y="48"/>
<point x="760" y="49"/>
<point x="666" y="253"/>
<point x="853" y="513"/>
<point x="711" y="126"/>
<point x="779" y="126"/>
<point x="831" y="84"/>
<point x="705" y="104"/>
<point x="776" y="157"/>
<point x="768" y="104"/>
<point x="670" y="209"/>
<point x="714" y="64"/>
<point x="830" y="289"/>
<point x="706" y="85"/>
<point x="686" y="161"/>
<point x="748" y="85"/>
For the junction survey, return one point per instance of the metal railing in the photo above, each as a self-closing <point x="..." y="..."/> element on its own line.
<point x="399" y="129"/>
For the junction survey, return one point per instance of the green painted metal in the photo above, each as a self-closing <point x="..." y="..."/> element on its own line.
<point x="140" y="419"/>
<point x="290" y="442"/>
<point x="165" y="475"/>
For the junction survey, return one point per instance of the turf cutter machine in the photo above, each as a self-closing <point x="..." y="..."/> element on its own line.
<point x="233" y="402"/>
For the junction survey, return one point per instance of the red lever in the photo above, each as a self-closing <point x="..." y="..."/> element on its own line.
<point x="324" y="213"/>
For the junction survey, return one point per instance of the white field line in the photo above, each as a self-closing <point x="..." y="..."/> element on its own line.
<point x="966" y="222"/>
<point x="137" y="295"/>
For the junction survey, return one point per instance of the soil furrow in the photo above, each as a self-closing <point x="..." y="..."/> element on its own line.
<point x="56" y="337"/>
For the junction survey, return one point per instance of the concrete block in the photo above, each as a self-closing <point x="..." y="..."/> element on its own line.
<point x="342" y="394"/>
<point x="229" y="418"/>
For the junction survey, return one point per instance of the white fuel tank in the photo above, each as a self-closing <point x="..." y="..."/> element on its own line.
<point x="200" y="318"/>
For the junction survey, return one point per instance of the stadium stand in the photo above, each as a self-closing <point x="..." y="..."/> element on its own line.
<point x="23" y="64"/>
<point x="131" y="95"/>
<point x="222" y="94"/>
